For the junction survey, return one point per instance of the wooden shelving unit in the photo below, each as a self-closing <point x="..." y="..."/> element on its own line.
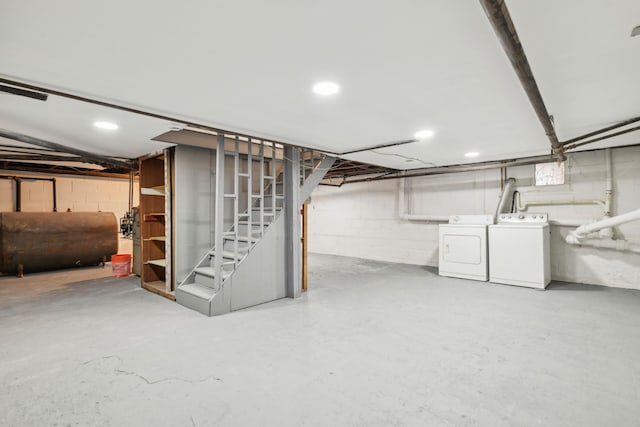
<point x="155" y="226"/>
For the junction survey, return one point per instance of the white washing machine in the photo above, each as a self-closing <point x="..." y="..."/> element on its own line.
<point x="463" y="247"/>
<point x="519" y="250"/>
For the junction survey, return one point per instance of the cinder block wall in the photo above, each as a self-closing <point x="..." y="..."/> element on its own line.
<point x="362" y="220"/>
<point x="80" y="194"/>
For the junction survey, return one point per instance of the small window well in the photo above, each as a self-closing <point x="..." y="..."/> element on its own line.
<point x="550" y="173"/>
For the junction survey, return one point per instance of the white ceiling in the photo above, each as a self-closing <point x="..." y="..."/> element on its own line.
<point x="248" y="66"/>
<point x="584" y="60"/>
<point x="68" y="122"/>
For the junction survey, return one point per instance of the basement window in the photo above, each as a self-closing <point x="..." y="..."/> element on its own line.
<point x="550" y="173"/>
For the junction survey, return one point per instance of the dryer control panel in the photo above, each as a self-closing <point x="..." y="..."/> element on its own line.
<point x="523" y="218"/>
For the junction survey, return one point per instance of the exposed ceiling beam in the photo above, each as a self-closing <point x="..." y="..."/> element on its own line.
<point x="375" y="147"/>
<point x="41" y="158"/>
<point x="59" y="170"/>
<point x="498" y="14"/>
<point x="83" y="156"/>
<point x="24" y="92"/>
<point x="27" y="150"/>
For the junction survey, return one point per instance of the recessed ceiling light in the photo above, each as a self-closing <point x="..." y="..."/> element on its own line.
<point x="424" y="134"/>
<point x="471" y="154"/>
<point x="106" y="125"/>
<point x="326" y="88"/>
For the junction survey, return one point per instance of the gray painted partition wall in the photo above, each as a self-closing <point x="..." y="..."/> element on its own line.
<point x="194" y="198"/>
<point x="259" y="278"/>
<point x="193" y="207"/>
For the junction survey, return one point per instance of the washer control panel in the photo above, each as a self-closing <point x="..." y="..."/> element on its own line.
<point x="523" y="218"/>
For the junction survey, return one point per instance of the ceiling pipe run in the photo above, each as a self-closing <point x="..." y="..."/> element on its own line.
<point x="601" y="138"/>
<point x="498" y="14"/>
<point x="603" y="130"/>
<point x="452" y="169"/>
<point x="83" y="156"/>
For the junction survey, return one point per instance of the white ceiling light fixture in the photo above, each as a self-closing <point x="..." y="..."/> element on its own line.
<point x="326" y="88"/>
<point x="424" y="134"/>
<point x="471" y="154"/>
<point x="105" y="125"/>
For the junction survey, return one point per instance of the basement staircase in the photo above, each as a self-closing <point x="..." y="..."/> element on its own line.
<point x="246" y="266"/>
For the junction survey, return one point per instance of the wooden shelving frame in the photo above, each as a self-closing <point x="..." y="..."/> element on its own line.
<point x="155" y="226"/>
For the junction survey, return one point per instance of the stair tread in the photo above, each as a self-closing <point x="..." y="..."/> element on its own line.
<point x="241" y="238"/>
<point x="198" y="290"/>
<point x="242" y="251"/>
<point x="211" y="272"/>
<point x="253" y="224"/>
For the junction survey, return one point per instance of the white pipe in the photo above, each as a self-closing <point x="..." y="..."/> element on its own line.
<point x="560" y="202"/>
<point x="503" y="197"/>
<point x="584" y="230"/>
<point x="415" y="217"/>
<point x="619" y="245"/>
<point x="428" y="218"/>
<point x="607" y="233"/>
<point x="609" y="187"/>
<point x="567" y="222"/>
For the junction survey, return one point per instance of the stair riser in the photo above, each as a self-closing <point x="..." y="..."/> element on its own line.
<point x="193" y="302"/>
<point x="229" y="246"/>
<point x="225" y="268"/>
<point x="242" y="229"/>
<point x="269" y="200"/>
<point x="255" y="216"/>
<point x="205" y="281"/>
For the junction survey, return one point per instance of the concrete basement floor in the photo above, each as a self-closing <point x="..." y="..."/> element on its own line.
<point x="371" y="344"/>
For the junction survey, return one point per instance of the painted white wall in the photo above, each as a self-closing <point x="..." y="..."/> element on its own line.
<point x="362" y="220"/>
<point x="80" y="194"/>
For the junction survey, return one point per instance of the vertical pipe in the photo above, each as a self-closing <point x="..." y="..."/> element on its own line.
<point x="18" y="194"/>
<point x="503" y="197"/>
<point x="130" y="191"/>
<point x="608" y="198"/>
<point x="55" y="192"/>
<point x="219" y="212"/>
<point x="609" y="182"/>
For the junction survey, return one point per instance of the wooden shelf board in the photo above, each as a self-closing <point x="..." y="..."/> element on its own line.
<point x="158" y="190"/>
<point x="158" y="287"/>
<point x="157" y="262"/>
<point x="157" y="239"/>
<point x="156" y="216"/>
